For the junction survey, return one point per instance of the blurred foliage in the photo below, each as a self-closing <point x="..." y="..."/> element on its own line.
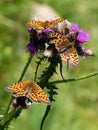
<point x="76" y="105"/>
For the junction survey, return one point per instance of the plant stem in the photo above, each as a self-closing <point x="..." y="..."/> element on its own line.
<point x="8" y="118"/>
<point x="75" y="78"/>
<point x="25" y="68"/>
<point x="45" y="115"/>
<point x="21" y="77"/>
<point x="14" y="112"/>
<point x="38" y="64"/>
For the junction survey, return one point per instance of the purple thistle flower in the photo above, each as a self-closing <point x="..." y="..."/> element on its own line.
<point x="47" y="30"/>
<point x="21" y="101"/>
<point x="29" y="29"/>
<point x="83" y="36"/>
<point x="83" y="51"/>
<point x="15" y="104"/>
<point x="87" y="52"/>
<point x="33" y="49"/>
<point x="74" y="27"/>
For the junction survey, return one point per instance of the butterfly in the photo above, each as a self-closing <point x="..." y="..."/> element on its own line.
<point x="65" y="48"/>
<point x="44" y="24"/>
<point x="30" y="90"/>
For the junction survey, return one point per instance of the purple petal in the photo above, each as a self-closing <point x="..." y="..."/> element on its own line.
<point x="83" y="36"/>
<point x="31" y="48"/>
<point x="15" y="104"/>
<point x="22" y="101"/>
<point x="29" y="29"/>
<point x="88" y="52"/>
<point x="27" y="105"/>
<point x="74" y="27"/>
<point x="46" y="31"/>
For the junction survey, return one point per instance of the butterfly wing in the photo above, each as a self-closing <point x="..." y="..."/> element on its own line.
<point x="36" y="94"/>
<point x="54" y="22"/>
<point x="65" y="48"/>
<point x="29" y="89"/>
<point x="18" y="89"/>
<point x="47" y="23"/>
<point x="58" y="39"/>
<point x="36" y="24"/>
<point x="70" y="56"/>
<point x="44" y="24"/>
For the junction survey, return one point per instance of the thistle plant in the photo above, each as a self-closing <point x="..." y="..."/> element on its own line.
<point x="60" y="43"/>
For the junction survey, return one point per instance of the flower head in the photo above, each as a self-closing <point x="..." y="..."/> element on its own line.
<point x="38" y="38"/>
<point x="47" y="30"/>
<point x="87" y="52"/>
<point x="61" y="32"/>
<point x="32" y="48"/>
<point x="30" y="29"/>
<point x="83" y="36"/>
<point x="83" y="51"/>
<point x="22" y="101"/>
<point x="74" y="27"/>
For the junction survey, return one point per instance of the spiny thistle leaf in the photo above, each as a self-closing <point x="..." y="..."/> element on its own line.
<point x="47" y="73"/>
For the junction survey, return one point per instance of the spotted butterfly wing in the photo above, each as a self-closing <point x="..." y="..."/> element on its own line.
<point x="37" y="93"/>
<point x="37" y="24"/>
<point x="65" y="48"/>
<point x="70" y="56"/>
<point x="59" y="40"/>
<point x="18" y="89"/>
<point x="29" y="89"/>
<point x="54" y="22"/>
<point x="44" y="24"/>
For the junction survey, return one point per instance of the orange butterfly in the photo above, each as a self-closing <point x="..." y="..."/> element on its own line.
<point x="29" y="89"/>
<point x="44" y="24"/>
<point x="65" y="48"/>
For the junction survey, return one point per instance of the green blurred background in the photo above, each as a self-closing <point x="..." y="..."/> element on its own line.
<point x="76" y="106"/>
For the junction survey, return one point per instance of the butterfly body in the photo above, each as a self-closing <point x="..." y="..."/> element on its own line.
<point x="59" y="40"/>
<point x="44" y="24"/>
<point x="29" y="89"/>
<point x="65" y="48"/>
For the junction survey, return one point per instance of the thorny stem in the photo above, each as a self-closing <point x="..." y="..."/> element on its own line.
<point x="47" y="73"/>
<point x="62" y="81"/>
<point x="21" y="77"/>
<point x="45" y="115"/>
<point x="38" y="64"/>
<point x="9" y="116"/>
<point x="25" y="68"/>
<point x="14" y="113"/>
<point x="47" y="108"/>
<point x="75" y="79"/>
